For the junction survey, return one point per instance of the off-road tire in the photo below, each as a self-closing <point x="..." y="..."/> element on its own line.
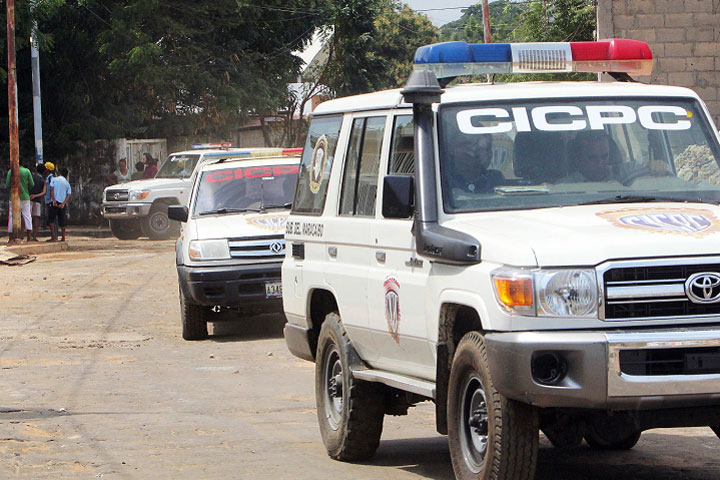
<point x="351" y="422"/>
<point x="194" y="319"/>
<point x="617" y="441"/>
<point x="157" y="225"/>
<point x="511" y="441"/>
<point x="125" y="229"/>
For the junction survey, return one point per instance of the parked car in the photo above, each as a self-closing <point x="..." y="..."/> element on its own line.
<point x="232" y="245"/>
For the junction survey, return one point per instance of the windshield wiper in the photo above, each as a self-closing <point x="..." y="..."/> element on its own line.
<point x="284" y="205"/>
<point x="638" y="199"/>
<point x="223" y="211"/>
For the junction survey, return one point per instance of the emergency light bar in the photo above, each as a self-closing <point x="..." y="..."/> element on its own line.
<point x="198" y="146"/>
<point x="454" y="59"/>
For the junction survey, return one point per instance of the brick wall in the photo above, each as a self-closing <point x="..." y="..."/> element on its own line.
<point x="684" y="36"/>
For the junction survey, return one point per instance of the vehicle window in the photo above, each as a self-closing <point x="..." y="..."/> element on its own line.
<point x="574" y="151"/>
<point x="245" y="188"/>
<point x="178" y="166"/>
<point x="362" y="164"/>
<point x="316" y="163"/>
<point x="402" y="150"/>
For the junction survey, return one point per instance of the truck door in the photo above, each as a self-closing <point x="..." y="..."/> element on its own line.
<point x="398" y="277"/>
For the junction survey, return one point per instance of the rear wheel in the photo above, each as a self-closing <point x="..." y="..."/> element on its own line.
<point x="194" y="319"/>
<point x="350" y="412"/>
<point x="125" y="229"/>
<point x="491" y="437"/>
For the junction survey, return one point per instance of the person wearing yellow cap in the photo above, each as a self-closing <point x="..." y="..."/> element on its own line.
<point x="49" y="168"/>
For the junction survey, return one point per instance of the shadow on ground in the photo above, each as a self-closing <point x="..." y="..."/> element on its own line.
<point x="233" y="329"/>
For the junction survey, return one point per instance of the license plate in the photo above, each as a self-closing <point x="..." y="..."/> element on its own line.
<point x="273" y="290"/>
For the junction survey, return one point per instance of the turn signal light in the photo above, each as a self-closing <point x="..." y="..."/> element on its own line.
<point x="514" y="291"/>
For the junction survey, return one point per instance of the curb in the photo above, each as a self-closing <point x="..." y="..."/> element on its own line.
<point x="36" y="248"/>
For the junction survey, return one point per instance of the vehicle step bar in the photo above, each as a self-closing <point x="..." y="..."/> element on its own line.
<point x="401" y="382"/>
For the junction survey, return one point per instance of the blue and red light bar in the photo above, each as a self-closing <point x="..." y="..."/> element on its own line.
<point x="217" y="145"/>
<point x="453" y="59"/>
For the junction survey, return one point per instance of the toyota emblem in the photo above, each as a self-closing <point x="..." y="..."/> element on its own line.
<point x="703" y="287"/>
<point x="276" y="247"/>
<point x="116" y="196"/>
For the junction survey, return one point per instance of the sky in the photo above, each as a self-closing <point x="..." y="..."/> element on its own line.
<point x="440" y="17"/>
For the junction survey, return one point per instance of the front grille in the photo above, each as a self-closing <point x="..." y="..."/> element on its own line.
<point x="271" y="247"/>
<point x="670" y="361"/>
<point x="117" y="195"/>
<point x="654" y="291"/>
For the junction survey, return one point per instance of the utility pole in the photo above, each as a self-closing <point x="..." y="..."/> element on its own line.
<point x="486" y="21"/>
<point x="13" y="122"/>
<point x="37" y="102"/>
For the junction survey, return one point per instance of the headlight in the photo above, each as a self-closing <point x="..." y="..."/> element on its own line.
<point x="138" y="194"/>
<point x="547" y="293"/>
<point x="209" y="250"/>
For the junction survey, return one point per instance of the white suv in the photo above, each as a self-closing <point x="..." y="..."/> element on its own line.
<point x="527" y="255"/>
<point x="232" y="245"/>
<point x="140" y="207"/>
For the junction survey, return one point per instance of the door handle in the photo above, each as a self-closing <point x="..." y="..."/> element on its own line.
<point x="332" y="251"/>
<point x="380" y="256"/>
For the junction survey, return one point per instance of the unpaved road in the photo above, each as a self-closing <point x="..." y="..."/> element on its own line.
<point x="97" y="383"/>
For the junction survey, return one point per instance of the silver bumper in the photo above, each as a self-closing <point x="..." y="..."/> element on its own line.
<point x="594" y="378"/>
<point x="125" y="210"/>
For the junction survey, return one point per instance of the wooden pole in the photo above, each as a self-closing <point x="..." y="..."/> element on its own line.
<point x="486" y="21"/>
<point x="13" y="122"/>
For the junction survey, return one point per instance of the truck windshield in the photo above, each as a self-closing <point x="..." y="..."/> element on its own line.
<point x="178" y="166"/>
<point x="235" y="189"/>
<point x="576" y="151"/>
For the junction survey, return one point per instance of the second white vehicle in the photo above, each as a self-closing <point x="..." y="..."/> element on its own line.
<point x="231" y="246"/>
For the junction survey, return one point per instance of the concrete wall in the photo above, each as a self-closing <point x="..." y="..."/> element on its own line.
<point x="684" y="36"/>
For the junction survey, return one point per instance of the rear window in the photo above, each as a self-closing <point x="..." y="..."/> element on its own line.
<point x="316" y="163"/>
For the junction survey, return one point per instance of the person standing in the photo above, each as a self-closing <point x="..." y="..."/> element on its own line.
<point x="151" y="168"/>
<point x="49" y="176"/>
<point x="60" y="192"/>
<point x="122" y="174"/>
<point x="139" y="171"/>
<point x="37" y="192"/>
<point x="26" y="183"/>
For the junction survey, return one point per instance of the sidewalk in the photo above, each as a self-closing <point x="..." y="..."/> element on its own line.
<point x="36" y="248"/>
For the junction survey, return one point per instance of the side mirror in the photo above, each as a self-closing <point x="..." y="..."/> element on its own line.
<point x="178" y="212"/>
<point x="398" y="196"/>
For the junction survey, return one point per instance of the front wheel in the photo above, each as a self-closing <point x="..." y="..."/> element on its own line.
<point x="125" y="229"/>
<point x="194" y="319"/>
<point x="350" y="412"/>
<point x="157" y="225"/>
<point x="491" y="437"/>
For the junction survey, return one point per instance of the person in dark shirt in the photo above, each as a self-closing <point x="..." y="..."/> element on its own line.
<point x="151" y="168"/>
<point x="470" y="157"/>
<point x="139" y="171"/>
<point x="37" y="193"/>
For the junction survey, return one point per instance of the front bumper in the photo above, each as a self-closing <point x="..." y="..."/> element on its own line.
<point x="594" y="378"/>
<point x="240" y="286"/>
<point x="125" y="210"/>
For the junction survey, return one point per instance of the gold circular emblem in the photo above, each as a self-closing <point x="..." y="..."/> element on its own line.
<point x="317" y="164"/>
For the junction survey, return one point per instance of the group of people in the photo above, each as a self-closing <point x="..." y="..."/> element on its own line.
<point x="147" y="168"/>
<point x="45" y="187"/>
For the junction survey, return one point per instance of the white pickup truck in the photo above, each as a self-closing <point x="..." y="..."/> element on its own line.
<point x="140" y="207"/>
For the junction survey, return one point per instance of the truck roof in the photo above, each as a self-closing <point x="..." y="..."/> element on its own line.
<point x="231" y="162"/>
<point x="389" y="99"/>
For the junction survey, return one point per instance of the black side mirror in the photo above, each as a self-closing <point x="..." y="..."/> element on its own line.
<point x="398" y="196"/>
<point x="178" y="212"/>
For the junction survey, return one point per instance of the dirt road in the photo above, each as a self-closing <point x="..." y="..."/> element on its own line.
<point x="97" y="383"/>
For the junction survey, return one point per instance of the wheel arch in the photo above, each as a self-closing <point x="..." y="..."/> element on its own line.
<point x="321" y="301"/>
<point x="458" y="315"/>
